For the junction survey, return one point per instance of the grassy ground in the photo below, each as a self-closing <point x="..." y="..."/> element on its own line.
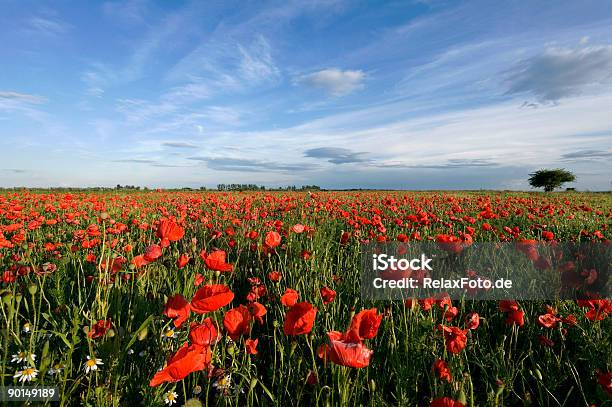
<point x="69" y="261"/>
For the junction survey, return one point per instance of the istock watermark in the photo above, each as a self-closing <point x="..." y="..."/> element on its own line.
<point x="526" y="270"/>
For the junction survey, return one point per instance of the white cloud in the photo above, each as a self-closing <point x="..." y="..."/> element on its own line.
<point x="16" y="97"/>
<point x="334" y="81"/>
<point x="257" y="63"/>
<point x="561" y="72"/>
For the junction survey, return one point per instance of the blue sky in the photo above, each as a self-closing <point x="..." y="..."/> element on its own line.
<point x="409" y="94"/>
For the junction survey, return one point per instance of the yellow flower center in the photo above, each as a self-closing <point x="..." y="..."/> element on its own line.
<point x="27" y="371"/>
<point x="91" y="362"/>
<point x="170" y="396"/>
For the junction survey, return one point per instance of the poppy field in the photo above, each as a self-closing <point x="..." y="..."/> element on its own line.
<point x="253" y="298"/>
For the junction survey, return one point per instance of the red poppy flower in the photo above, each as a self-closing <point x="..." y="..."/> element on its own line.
<point x="205" y="333"/>
<point x="289" y="298"/>
<point x="508" y="305"/>
<point x="547" y="320"/>
<point x="605" y="380"/>
<point x="257" y="311"/>
<point x="299" y="320"/>
<point x="327" y="294"/>
<point x="312" y="378"/>
<point x="445" y="402"/>
<point x="515" y="318"/>
<point x="472" y="320"/>
<point x="237" y="322"/>
<point x="182" y="261"/>
<point x="152" y="253"/>
<point x="99" y="329"/>
<point x="177" y="308"/>
<point x="186" y="360"/>
<point x="548" y="235"/>
<point x="570" y="320"/>
<point x="216" y="261"/>
<point x="140" y="261"/>
<point x="297" y="228"/>
<point x="450" y="243"/>
<point x="364" y="325"/>
<point x="273" y="239"/>
<point x="168" y="231"/>
<point x="451" y="313"/>
<point x="211" y="297"/>
<point x="274" y="276"/>
<point x="441" y="370"/>
<point x="544" y="341"/>
<point x="251" y="346"/>
<point x="345" y="353"/>
<point x="455" y="338"/>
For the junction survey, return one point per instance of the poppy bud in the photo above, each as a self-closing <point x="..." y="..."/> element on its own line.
<point x="538" y="374"/>
<point x="230" y="349"/>
<point x="253" y="384"/>
<point x="461" y="398"/>
<point x="142" y="335"/>
<point x="372" y="386"/>
<point x="32" y="289"/>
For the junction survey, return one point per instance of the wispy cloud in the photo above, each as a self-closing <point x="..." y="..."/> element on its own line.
<point x="561" y="72"/>
<point x="179" y="144"/>
<point x="46" y="26"/>
<point x="135" y="160"/>
<point x="16" y="97"/>
<point x="336" y="155"/>
<point x="246" y="164"/>
<point x="587" y="155"/>
<point x="335" y="82"/>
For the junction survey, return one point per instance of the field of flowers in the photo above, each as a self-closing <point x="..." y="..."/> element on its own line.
<point x="201" y="298"/>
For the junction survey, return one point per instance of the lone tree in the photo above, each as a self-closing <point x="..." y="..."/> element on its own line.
<point x="550" y="179"/>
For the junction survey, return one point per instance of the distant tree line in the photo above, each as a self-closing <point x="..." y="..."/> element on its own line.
<point x="253" y="187"/>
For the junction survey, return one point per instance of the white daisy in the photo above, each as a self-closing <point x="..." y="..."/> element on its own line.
<point x="26" y="327"/>
<point x="130" y="351"/>
<point x="26" y="374"/>
<point x="171" y="398"/>
<point x="23" y="357"/>
<point x="91" y="364"/>
<point x="170" y="333"/>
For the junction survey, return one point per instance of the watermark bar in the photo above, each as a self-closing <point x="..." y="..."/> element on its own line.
<point x="28" y="393"/>
<point x="527" y="270"/>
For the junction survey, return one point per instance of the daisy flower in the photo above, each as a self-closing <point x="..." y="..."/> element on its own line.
<point x="26" y="327"/>
<point x="169" y="334"/>
<point x="22" y="357"/>
<point x="170" y="398"/>
<point x="91" y="364"/>
<point x="26" y="374"/>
